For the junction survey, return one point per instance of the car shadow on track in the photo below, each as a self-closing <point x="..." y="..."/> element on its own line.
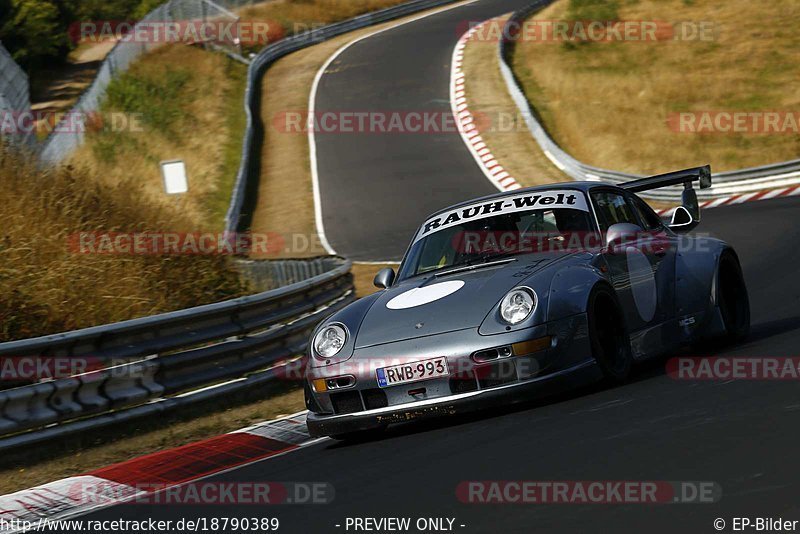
<point x="642" y="371"/>
<point x="760" y="332"/>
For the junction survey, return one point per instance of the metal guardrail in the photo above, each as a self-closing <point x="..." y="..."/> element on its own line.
<point x="741" y="181"/>
<point x="239" y="211"/>
<point x="161" y="362"/>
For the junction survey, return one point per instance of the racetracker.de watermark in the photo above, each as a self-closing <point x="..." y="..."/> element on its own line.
<point x="376" y="122"/>
<point x="588" y="492"/>
<point x="35" y="368"/>
<point x="99" y="491"/>
<point x="244" y="32"/>
<point x="734" y="368"/>
<point x="773" y="122"/>
<point x="192" y="243"/>
<point x="591" y="31"/>
<point x="70" y="122"/>
<point x="489" y="242"/>
<point x="88" y="368"/>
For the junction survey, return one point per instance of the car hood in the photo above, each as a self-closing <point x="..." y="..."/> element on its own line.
<point x="435" y="304"/>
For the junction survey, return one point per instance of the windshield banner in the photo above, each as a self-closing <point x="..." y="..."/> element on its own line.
<point x="532" y="200"/>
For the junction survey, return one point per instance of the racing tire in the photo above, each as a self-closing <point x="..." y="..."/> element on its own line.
<point x="608" y="334"/>
<point x="732" y="298"/>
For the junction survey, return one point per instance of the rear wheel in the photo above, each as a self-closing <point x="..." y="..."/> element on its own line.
<point x="733" y="301"/>
<point x="611" y="345"/>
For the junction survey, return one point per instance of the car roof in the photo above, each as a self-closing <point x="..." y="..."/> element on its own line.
<point x="580" y="186"/>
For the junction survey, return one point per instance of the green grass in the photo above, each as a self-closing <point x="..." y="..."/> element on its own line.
<point x="593" y="10"/>
<point x="158" y="99"/>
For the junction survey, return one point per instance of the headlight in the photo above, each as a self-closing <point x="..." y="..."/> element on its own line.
<point x="517" y="305"/>
<point x="330" y="340"/>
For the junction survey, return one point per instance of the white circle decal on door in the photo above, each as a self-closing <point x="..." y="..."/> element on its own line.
<point x="424" y="295"/>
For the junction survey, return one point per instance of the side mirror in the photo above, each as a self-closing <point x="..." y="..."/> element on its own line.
<point x="620" y="233"/>
<point x="682" y="221"/>
<point x="384" y="278"/>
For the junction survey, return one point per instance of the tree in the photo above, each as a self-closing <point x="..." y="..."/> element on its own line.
<point x="33" y="32"/>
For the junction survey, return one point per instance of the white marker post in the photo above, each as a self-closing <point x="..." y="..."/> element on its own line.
<point x="174" y="174"/>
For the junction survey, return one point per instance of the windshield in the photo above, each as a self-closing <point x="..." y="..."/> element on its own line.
<point x="483" y="232"/>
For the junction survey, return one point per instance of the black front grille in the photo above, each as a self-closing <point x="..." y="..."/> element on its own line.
<point x="375" y="398"/>
<point x="346" y="402"/>
<point x="463" y="383"/>
<point x="486" y="355"/>
<point x="496" y="374"/>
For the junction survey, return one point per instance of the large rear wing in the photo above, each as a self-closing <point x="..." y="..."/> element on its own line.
<point x="686" y="177"/>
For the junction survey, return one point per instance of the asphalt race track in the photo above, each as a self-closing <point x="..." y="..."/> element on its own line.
<point x="377" y="188"/>
<point x="743" y="435"/>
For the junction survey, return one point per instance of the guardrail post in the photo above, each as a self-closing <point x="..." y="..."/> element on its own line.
<point x="89" y="394"/>
<point x="28" y="406"/>
<point x="63" y="398"/>
<point x="132" y="382"/>
<point x="7" y="426"/>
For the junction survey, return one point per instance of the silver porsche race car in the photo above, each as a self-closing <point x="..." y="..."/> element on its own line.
<point x="507" y="296"/>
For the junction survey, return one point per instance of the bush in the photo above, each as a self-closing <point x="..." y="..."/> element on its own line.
<point x="36" y="32"/>
<point x="33" y="32"/>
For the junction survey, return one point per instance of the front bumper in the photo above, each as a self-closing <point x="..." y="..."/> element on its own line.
<point x="331" y="425"/>
<point x="567" y="359"/>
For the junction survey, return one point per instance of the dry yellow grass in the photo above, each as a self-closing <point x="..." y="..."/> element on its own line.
<point x="133" y="442"/>
<point x="46" y="288"/>
<point x="608" y="103"/>
<point x="506" y="133"/>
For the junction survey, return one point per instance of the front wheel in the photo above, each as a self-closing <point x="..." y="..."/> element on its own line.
<point x="608" y="334"/>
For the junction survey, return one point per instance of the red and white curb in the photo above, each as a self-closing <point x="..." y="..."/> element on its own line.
<point x="742" y="198"/>
<point x="467" y="125"/>
<point x="118" y="483"/>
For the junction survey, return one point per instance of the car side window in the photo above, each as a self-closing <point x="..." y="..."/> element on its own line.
<point x="650" y="219"/>
<point x="613" y="208"/>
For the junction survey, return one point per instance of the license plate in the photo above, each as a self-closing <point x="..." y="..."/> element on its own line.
<point x="412" y="372"/>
